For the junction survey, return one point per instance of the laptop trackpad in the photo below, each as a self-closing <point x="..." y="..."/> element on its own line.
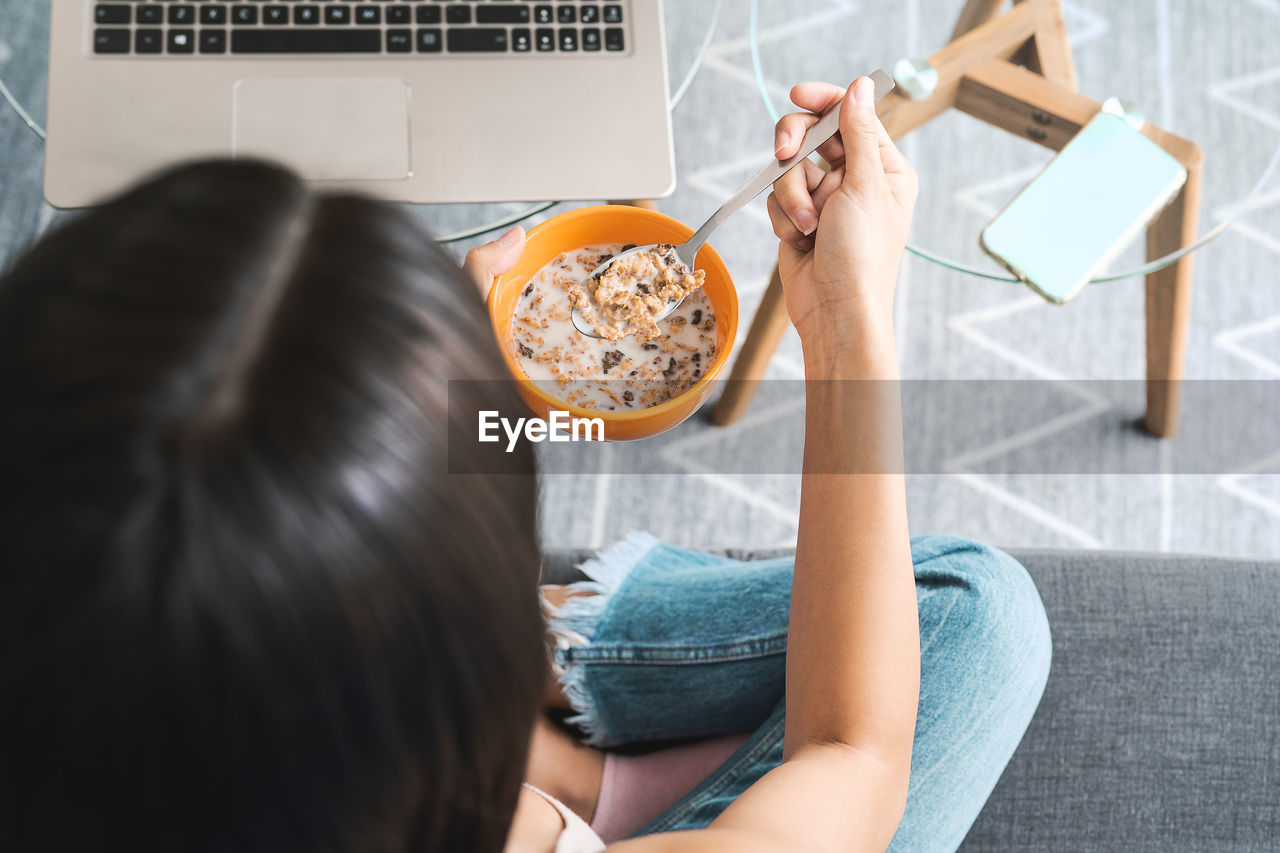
<point x="328" y="129"/>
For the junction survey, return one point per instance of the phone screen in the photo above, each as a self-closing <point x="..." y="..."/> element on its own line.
<point x="1101" y="190"/>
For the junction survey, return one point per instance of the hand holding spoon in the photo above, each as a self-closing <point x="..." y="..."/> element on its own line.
<point x="687" y="252"/>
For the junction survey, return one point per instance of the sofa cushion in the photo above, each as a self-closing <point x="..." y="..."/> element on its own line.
<point x="1160" y="726"/>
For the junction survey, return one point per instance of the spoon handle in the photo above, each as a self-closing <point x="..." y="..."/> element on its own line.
<point x="826" y="128"/>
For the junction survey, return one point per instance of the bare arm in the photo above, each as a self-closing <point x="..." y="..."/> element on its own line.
<point x="853" y="665"/>
<point x="853" y="659"/>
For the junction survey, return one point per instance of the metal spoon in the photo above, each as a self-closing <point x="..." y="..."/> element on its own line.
<point x="687" y="252"/>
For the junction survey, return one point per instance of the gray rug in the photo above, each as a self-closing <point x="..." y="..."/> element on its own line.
<point x="1206" y="69"/>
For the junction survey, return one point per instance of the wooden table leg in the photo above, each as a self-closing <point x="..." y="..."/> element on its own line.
<point x="974" y="14"/>
<point x="762" y="340"/>
<point x="1168" y="306"/>
<point x="1052" y="54"/>
<point x="646" y="203"/>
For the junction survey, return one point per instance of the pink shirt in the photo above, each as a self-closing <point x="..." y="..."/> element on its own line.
<point x="635" y="789"/>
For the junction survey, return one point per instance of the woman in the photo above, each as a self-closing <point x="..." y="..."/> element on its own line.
<point x="246" y="607"/>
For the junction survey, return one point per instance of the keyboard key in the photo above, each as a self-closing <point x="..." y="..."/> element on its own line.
<point x="521" y="41"/>
<point x="545" y="40"/>
<point x="502" y="15"/>
<point x="110" y="41"/>
<point x="182" y="41"/>
<point x="590" y="14"/>
<point x="400" y="15"/>
<point x="306" y="41"/>
<point x="566" y="14"/>
<point x="244" y="15"/>
<point x="430" y="41"/>
<point x="477" y="40"/>
<point x="368" y="15"/>
<point x="543" y="15"/>
<point x="112" y="15"/>
<point x="458" y="14"/>
<point x="568" y="40"/>
<point x="150" y="14"/>
<point x="399" y="41"/>
<point x="337" y="15"/>
<point x="275" y="15"/>
<point x="182" y="15"/>
<point x="591" y="38"/>
<point x="211" y="14"/>
<point x="429" y="15"/>
<point x="612" y="15"/>
<point x="613" y="39"/>
<point x="306" y="15"/>
<point x="148" y="41"/>
<point x="213" y="41"/>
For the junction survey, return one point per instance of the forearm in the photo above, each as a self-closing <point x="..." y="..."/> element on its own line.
<point x="853" y="661"/>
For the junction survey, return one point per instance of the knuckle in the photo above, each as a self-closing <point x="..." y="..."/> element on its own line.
<point x="867" y="132"/>
<point x="798" y="241"/>
<point x="791" y="191"/>
<point x="787" y="198"/>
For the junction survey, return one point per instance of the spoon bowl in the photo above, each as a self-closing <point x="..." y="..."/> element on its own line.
<point x="681" y="251"/>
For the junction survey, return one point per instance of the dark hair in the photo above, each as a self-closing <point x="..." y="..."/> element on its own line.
<point x="243" y="605"/>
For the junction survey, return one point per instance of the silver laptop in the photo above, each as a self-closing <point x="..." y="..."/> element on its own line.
<point x="411" y="100"/>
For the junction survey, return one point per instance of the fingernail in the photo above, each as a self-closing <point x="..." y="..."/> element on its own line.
<point x="780" y="141"/>
<point x="864" y="91"/>
<point x="806" y="220"/>
<point x="511" y="238"/>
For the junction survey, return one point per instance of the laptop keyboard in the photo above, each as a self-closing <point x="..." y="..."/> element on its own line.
<point x="222" y="27"/>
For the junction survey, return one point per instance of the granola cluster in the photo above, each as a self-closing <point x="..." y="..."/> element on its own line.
<point x="633" y="291"/>
<point x="611" y="375"/>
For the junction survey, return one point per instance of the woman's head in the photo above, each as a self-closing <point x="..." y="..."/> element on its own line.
<point x="243" y="605"/>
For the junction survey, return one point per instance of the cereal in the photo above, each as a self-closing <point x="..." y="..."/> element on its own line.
<point x="628" y="296"/>
<point x="629" y="372"/>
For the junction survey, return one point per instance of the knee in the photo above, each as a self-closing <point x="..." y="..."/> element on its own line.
<point x="994" y="618"/>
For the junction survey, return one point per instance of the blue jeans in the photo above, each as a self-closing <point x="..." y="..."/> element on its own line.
<point x="681" y="644"/>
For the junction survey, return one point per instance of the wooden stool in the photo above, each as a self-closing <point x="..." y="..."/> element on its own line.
<point x="1015" y="71"/>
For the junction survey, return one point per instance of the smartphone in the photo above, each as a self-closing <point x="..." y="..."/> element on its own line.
<point x="1101" y="191"/>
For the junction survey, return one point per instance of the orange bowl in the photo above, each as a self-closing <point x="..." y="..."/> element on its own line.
<point x="614" y="224"/>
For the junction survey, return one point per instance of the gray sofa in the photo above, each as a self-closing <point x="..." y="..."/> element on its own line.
<point x="1160" y="727"/>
